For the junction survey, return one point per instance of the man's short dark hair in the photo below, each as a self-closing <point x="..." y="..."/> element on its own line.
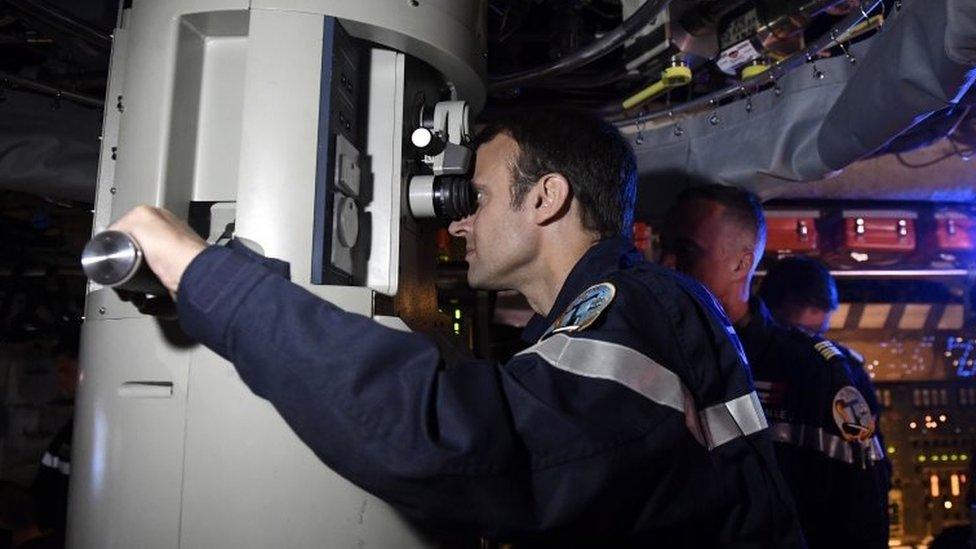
<point x="742" y="208"/>
<point x="590" y="153"/>
<point x="794" y="283"/>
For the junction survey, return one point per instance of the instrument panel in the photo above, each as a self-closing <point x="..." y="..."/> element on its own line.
<point x="926" y="387"/>
<point x="896" y="358"/>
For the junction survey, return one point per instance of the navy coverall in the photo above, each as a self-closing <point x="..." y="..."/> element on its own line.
<point x="836" y="480"/>
<point x="641" y="428"/>
<point x="883" y="468"/>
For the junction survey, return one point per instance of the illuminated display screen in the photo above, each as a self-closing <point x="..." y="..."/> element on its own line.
<point x="961" y="354"/>
<point x="915" y="358"/>
<point x="899" y="358"/>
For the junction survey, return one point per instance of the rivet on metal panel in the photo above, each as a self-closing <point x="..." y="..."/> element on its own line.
<point x="101" y="310"/>
<point x="850" y="56"/>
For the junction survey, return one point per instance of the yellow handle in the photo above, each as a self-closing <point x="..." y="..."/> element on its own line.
<point x="874" y="22"/>
<point x="671" y="77"/>
<point x="750" y="71"/>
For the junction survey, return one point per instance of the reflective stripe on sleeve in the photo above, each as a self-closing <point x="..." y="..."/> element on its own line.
<point x="875" y="451"/>
<point x="741" y="416"/>
<point x="593" y="358"/>
<point x="54" y="462"/>
<point x="829" y="444"/>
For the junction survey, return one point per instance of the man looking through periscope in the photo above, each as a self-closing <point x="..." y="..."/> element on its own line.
<point x="632" y="420"/>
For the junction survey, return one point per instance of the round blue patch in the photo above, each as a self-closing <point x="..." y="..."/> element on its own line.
<point x="585" y="309"/>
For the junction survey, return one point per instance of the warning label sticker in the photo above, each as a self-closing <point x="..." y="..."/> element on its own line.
<point x="736" y="56"/>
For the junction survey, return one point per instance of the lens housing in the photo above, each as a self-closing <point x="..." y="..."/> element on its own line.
<point x="447" y="197"/>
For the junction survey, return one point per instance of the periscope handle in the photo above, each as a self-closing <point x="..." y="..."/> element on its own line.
<point x="115" y="259"/>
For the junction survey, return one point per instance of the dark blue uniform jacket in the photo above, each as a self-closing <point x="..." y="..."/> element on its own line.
<point x="642" y="428"/>
<point x="836" y="482"/>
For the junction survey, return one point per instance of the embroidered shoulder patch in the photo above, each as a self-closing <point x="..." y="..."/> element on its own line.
<point x="852" y="415"/>
<point x="827" y="350"/>
<point x="585" y="309"/>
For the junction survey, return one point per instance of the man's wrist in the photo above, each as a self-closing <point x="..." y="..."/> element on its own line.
<point x="192" y="251"/>
<point x="212" y="288"/>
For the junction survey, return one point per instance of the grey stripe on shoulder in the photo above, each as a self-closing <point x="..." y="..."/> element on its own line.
<point x="611" y="361"/>
<point x="593" y="358"/>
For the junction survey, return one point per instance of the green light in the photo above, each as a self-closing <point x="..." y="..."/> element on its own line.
<point x="953" y="457"/>
<point x="457" y="327"/>
<point x="963" y="457"/>
<point x="457" y="314"/>
<point x="891" y="449"/>
<point x="921" y="459"/>
<point x="945" y="457"/>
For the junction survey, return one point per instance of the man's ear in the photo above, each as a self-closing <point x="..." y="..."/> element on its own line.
<point x="744" y="266"/>
<point x="551" y="198"/>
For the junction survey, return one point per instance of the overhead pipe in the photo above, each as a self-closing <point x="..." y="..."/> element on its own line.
<point x="830" y="39"/>
<point x="589" y="53"/>
<point x="10" y="81"/>
<point x="63" y="22"/>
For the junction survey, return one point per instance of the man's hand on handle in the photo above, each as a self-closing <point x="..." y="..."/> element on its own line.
<point x="168" y="244"/>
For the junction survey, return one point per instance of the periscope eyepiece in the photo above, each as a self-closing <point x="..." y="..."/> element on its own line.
<point x="445" y="197"/>
<point x="441" y="139"/>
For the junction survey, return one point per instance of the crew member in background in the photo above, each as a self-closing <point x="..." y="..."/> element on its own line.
<point x="817" y="416"/>
<point x="631" y="421"/>
<point x="50" y="485"/>
<point x="800" y="292"/>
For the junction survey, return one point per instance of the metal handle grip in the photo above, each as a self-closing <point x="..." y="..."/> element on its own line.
<point x="114" y="259"/>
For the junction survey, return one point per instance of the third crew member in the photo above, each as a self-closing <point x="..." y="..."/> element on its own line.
<point x="801" y="292"/>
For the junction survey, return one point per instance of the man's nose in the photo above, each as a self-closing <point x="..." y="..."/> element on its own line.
<point x="461" y="227"/>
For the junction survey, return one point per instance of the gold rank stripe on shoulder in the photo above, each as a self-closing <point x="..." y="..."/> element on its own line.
<point x="827" y="350"/>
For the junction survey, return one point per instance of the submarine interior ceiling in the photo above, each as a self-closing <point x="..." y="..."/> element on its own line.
<point x="851" y="119"/>
<point x="808" y="86"/>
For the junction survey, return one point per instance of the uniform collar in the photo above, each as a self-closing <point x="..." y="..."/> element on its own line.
<point x="602" y="259"/>
<point x="758" y="327"/>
